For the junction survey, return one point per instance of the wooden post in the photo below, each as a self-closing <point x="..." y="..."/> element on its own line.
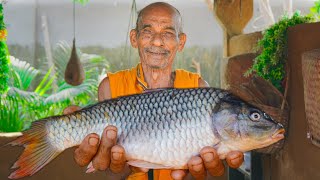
<point x="233" y="16"/>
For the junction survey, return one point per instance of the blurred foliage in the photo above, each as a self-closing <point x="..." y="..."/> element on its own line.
<point x="23" y="103"/>
<point x="315" y="10"/>
<point x="209" y="59"/>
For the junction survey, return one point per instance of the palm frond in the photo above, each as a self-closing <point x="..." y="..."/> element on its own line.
<point x="68" y="93"/>
<point x="25" y="96"/>
<point x="26" y="72"/>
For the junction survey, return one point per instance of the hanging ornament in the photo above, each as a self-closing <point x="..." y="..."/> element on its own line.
<point x="74" y="73"/>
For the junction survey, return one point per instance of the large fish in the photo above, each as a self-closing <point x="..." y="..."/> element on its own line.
<point x="161" y="129"/>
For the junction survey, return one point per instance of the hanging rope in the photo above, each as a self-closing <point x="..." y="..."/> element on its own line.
<point x="74" y="20"/>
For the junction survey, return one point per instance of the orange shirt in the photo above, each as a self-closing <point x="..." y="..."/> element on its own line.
<point x="131" y="81"/>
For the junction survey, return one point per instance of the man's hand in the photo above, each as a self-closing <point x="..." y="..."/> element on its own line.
<point x="209" y="162"/>
<point x="104" y="154"/>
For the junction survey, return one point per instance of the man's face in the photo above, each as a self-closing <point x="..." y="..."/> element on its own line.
<point x="157" y="37"/>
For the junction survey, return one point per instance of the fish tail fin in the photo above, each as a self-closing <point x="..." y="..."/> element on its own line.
<point x="37" y="153"/>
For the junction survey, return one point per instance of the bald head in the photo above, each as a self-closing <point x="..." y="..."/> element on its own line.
<point x="160" y="7"/>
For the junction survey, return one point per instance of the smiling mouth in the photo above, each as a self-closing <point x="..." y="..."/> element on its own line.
<point x="157" y="53"/>
<point x="279" y="134"/>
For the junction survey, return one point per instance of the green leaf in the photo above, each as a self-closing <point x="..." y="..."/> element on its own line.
<point x="45" y="83"/>
<point x="270" y="63"/>
<point x="24" y="71"/>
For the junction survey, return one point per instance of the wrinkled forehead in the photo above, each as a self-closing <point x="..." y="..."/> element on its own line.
<point x="159" y="16"/>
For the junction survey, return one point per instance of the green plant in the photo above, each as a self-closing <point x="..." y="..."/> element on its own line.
<point x="315" y="10"/>
<point x="4" y="60"/>
<point x="4" y="67"/>
<point x="270" y="64"/>
<point x="9" y="114"/>
<point x="18" y="104"/>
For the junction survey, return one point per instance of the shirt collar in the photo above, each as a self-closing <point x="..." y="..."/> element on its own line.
<point x="140" y="78"/>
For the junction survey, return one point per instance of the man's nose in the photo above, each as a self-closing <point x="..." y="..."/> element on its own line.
<point x="157" y="39"/>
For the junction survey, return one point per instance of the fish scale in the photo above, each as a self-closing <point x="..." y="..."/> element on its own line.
<point x="158" y="129"/>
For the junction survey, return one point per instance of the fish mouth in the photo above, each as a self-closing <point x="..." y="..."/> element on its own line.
<point x="279" y="134"/>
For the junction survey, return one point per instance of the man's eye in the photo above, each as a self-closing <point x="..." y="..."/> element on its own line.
<point x="146" y="31"/>
<point x="169" y="34"/>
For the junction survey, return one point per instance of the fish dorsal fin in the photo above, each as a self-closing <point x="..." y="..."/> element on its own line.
<point x="147" y="165"/>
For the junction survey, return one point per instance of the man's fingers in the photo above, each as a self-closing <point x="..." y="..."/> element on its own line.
<point x="137" y="169"/>
<point x="71" y="109"/>
<point x="234" y="159"/>
<point x="87" y="149"/>
<point x="102" y="159"/>
<point x="118" y="159"/>
<point x="211" y="161"/>
<point x="196" y="168"/>
<point x="178" y="174"/>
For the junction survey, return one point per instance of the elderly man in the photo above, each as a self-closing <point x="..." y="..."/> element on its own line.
<point x="158" y="36"/>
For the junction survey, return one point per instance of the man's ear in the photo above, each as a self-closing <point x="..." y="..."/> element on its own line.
<point x="133" y="38"/>
<point x="182" y="41"/>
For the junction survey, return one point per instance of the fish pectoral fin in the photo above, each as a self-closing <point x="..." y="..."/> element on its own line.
<point x="147" y="165"/>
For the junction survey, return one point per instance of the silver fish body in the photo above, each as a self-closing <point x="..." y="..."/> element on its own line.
<point x="164" y="128"/>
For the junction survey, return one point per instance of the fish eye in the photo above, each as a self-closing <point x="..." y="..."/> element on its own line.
<point x="255" y="116"/>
